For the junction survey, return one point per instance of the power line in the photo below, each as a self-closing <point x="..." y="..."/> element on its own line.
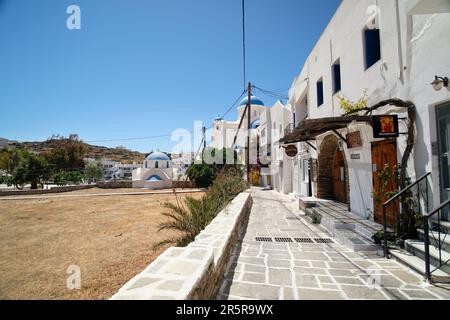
<point x="271" y="93"/>
<point x="243" y="44"/>
<point x="234" y="104"/>
<point x="139" y="138"/>
<point x="169" y="134"/>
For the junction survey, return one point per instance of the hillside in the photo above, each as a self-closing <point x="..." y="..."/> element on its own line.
<point x="97" y="152"/>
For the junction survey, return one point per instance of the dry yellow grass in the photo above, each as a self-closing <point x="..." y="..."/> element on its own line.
<point x="109" y="238"/>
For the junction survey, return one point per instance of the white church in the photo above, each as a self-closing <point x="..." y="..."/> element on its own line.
<point x="156" y="174"/>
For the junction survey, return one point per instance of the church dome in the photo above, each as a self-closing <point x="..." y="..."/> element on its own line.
<point x="254" y="100"/>
<point x="158" y="156"/>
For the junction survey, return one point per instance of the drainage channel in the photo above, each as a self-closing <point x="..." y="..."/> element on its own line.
<point x="291" y="240"/>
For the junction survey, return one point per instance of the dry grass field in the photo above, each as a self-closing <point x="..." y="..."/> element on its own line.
<point x="109" y="238"/>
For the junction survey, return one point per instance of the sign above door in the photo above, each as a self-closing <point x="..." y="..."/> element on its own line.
<point x="385" y="126"/>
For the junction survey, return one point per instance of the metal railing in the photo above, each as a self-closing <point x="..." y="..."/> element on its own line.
<point x="397" y="196"/>
<point x="435" y="226"/>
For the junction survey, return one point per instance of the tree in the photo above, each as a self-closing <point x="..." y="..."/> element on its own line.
<point x="23" y="166"/>
<point x="94" y="171"/>
<point x="67" y="154"/>
<point x="36" y="170"/>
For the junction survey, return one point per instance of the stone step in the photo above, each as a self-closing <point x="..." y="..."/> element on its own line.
<point x="434" y="241"/>
<point x="418" y="265"/>
<point x="354" y="241"/>
<point x="417" y="248"/>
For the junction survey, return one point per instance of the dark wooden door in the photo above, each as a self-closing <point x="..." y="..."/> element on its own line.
<point x="384" y="153"/>
<point x="339" y="178"/>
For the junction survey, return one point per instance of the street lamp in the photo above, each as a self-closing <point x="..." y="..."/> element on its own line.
<point x="439" y="83"/>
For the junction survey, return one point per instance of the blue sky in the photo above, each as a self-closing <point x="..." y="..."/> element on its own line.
<point x="140" y="68"/>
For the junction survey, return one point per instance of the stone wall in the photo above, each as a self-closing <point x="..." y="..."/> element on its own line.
<point x="196" y="271"/>
<point x="184" y="184"/>
<point x="115" y="184"/>
<point x="45" y="191"/>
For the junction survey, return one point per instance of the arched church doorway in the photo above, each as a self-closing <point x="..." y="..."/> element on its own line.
<point x="332" y="181"/>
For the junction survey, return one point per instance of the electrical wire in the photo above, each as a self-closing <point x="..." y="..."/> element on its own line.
<point x="234" y="104"/>
<point x="243" y="44"/>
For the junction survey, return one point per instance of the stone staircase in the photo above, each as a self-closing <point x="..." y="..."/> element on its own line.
<point x="414" y="256"/>
<point x="348" y="229"/>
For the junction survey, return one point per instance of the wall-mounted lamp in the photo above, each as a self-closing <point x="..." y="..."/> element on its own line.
<point x="439" y="83"/>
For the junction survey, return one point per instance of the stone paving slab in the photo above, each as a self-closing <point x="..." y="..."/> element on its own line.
<point x="311" y="271"/>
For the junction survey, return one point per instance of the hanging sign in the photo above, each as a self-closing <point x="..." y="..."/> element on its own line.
<point x="291" y="150"/>
<point x="385" y="126"/>
<point x="354" y="140"/>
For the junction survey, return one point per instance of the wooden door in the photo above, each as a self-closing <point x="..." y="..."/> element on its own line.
<point x="385" y="153"/>
<point x="339" y="178"/>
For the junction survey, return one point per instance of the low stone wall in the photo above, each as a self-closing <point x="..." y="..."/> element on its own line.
<point x="45" y="191"/>
<point x="197" y="271"/>
<point x="118" y="184"/>
<point x="184" y="184"/>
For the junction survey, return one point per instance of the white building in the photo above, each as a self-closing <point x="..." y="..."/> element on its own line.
<point x="267" y="157"/>
<point x="156" y="174"/>
<point x="181" y="162"/>
<point x="386" y="49"/>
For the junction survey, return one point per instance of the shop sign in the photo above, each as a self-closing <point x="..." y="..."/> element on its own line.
<point x="385" y="126"/>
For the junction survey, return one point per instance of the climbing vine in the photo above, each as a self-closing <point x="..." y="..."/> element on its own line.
<point x="353" y="107"/>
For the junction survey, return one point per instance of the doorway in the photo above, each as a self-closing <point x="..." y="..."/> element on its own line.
<point x="339" y="177"/>
<point x="443" y="127"/>
<point x="332" y="175"/>
<point x="384" y="153"/>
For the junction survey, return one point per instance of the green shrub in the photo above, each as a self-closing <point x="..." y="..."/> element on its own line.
<point x="202" y="174"/>
<point x="378" y="237"/>
<point x="65" y="178"/>
<point x="316" y="218"/>
<point x="194" y="215"/>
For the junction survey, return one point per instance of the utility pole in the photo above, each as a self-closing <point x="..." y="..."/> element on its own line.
<point x="249" y="113"/>
<point x="204" y="138"/>
<point x="204" y="143"/>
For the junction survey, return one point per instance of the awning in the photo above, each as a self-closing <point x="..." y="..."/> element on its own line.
<point x="309" y="129"/>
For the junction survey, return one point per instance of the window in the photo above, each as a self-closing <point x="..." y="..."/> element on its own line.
<point x="156" y="164"/>
<point x="372" y="47"/>
<point x="263" y="133"/>
<point x="319" y="92"/>
<point x="336" y="77"/>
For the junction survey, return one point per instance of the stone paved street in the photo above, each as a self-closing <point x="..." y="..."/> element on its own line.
<point x="305" y="271"/>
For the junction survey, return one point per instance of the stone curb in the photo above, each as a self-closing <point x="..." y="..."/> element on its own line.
<point x="197" y="271"/>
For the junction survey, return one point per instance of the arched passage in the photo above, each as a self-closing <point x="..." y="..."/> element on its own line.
<point x="332" y="181"/>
